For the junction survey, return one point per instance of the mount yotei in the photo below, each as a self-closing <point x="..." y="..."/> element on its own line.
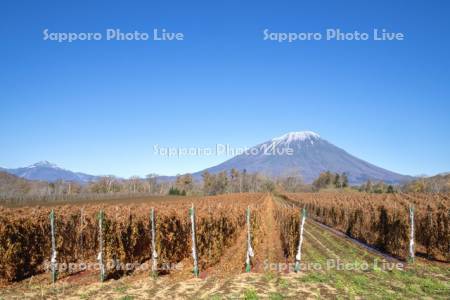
<point x="305" y="154"/>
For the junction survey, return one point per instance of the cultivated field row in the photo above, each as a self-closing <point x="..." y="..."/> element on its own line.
<point x="384" y="221"/>
<point x="25" y="233"/>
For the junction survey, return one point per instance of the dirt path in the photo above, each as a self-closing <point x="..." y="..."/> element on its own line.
<point x="268" y="249"/>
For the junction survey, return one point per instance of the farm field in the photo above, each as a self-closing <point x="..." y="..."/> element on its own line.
<point x="383" y="221"/>
<point x="332" y="264"/>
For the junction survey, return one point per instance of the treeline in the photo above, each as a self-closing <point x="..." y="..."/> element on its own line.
<point x="328" y="180"/>
<point x="14" y="187"/>
<point x="223" y="182"/>
<point x="377" y="188"/>
<point x="210" y="184"/>
<point x="331" y="180"/>
<point x="233" y="181"/>
<point x="434" y="184"/>
<point x="236" y="181"/>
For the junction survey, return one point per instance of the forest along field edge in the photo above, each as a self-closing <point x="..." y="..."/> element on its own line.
<point x="16" y="191"/>
<point x="380" y="221"/>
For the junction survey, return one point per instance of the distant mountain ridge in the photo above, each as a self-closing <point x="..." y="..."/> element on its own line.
<point x="46" y="171"/>
<point x="310" y="156"/>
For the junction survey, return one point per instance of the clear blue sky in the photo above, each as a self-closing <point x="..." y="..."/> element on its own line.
<point x="100" y="106"/>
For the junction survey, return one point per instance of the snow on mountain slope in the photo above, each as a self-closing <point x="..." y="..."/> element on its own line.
<point x="306" y="154"/>
<point x="50" y="172"/>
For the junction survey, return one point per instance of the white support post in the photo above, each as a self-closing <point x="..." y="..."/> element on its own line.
<point x="53" y="261"/>
<point x="154" y="254"/>
<point x="298" y="257"/>
<point x="411" y="237"/>
<point x="249" y="243"/>
<point x="194" y="240"/>
<point x="100" y="253"/>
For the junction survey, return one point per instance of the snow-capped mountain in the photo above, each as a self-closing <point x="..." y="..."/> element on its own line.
<point x="284" y="141"/>
<point x="50" y="172"/>
<point x="302" y="153"/>
<point x="306" y="154"/>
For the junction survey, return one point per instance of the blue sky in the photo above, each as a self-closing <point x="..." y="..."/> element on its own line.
<point x="100" y="106"/>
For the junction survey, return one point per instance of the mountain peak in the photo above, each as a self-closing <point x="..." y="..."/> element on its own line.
<point x="44" y="163"/>
<point x="309" y="156"/>
<point x="297" y="136"/>
<point x="46" y="171"/>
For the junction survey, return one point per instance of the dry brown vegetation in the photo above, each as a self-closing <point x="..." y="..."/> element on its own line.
<point x="288" y="219"/>
<point x="222" y="245"/>
<point x="25" y="241"/>
<point x="382" y="220"/>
